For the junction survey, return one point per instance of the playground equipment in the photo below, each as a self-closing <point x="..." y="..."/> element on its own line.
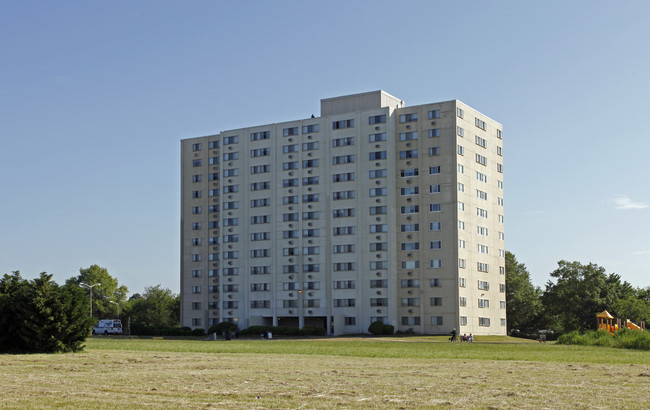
<point x="605" y="321"/>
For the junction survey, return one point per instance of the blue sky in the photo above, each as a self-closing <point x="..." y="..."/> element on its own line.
<point x="95" y="97"/>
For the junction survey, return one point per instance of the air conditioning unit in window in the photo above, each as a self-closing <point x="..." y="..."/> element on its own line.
<point x="410" y="292"/>
<point x="378" y="310"/>
<point x="291" y="312"/>
<point x="290" y="295"/>
<point x="410" y="310"/>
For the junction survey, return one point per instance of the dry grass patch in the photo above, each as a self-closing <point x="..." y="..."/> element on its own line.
<point x="111" y="378"/>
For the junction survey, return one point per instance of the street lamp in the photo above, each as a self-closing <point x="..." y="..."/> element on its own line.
<point x="90" y="291"/>
<point x="118" y="307"/>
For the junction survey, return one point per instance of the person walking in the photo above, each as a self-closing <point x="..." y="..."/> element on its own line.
<point x="453" y="335"/>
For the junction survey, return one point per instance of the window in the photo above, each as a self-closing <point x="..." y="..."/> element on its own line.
<point x="310" y="250"/>
<point x="462" y="263"/>
<point x="344" y="284"/>
<point x="350" y="320"/>
<point x="481" y="159"/>
<point x="378" y="210"/>
<point x="436" y="320"/>
<point x="260" y="236"/>
<point x="410" y="228"/>
<point x="230" y="156"/>
<point x="483" y="213"/>
<point x="377" y="119"/>
<point x="410" y="246"/>
<point x="196" y="194"/>
<point x="348" y="248"/>
<point x="408" y="117"/>
<point x="499" y="151"/>
<point x="434" y="151"/>
<point x="289" y="131"/>
<point x="343" y="266"/>
<point x="196" y="178"/>
<point x="410" y="283"/>
<point x="379" y="265"/>
<point x="481" y="194"/>
<point x="433" y="114"/>
<point x="343" y="159"/>
<point x="231" y="255"/>
<point x="213" y="144"/>
<point x="483" y="285"/>
<point x="410" y="209"/>
<point x="500" y="168"/>
<point x="502" y="288"/>
<point x="378" y="173"/>
<point x="482" y="248"/>
<point x="435" y="207"/>
<point x="310" y="180"/>
<point x="292" y="234"/>
<point x="408" y="136"/>
<point x="435" y="226"/>
<point x="483" y="303"/>
<point x="460" y="113"/>
<point x="336" y="125"/>
<point x="263" y="135"/>
<point x="502" y="305"/>
<point x="196" y="147"/>
<point x="461" y="150"/>
<point x="436" y="263"/>
<point x="481" y="176"/>
<point x="215" y="160"/>
<point x="499" y="134"/>
<point x="480" y="123"/>
<point x="196" y="241"/>
<point x="343" y="230"/>
<point x="260" y="219"/>
<point x="460" y="131"/>
<point x="196" y="162"/>
<point x="378" y="302"/>
<point x="462" y="282"/>
<point x="196" y="226"/>
<point x="378" y="283"/>
<point x="378" y="228"/>
<point x="435" y="283"/>
<point x="461" y="225"/>
<point x="309" y="215"/>
<point x="377" y="137"/>
<point x="342" y="195"/>
<point x="412" y="153"/>
<point x="257" y="203"/>
<point x="461" y="169"/>
<point x="290" y="303"/>
<point x="196" y="273"/>
<point x="480" y="141"/>
<point x="196" y="289"/>
<point x="482" y="267"/>
<point x="436" y="301"/>
<point x="310" y="198"/>
<point x="342" y="142"/>
<point x="345" y="302"/>
<point x="342" y="213"/>
<point x="410" y="302"/>
<point x="374" y="156"/>
<point x="259" y="186"/>
<point x="310" y="163"/>
<point x="434" y="132"/>
<point x="434" y="170"/>
<point x="435" y="245"/>
<point x="409" y="172"/>
<point x="260" y="169"/>
<point x="410" y="264"/>
<point x="196" y="210"/>
<point x="410" y="321"/>
<point x="409" y="191"/>
<point x="378" y="246"/>
<point x="309" y="128"/>
<point x="231" y="222"/>
<point x="484" y="321"/>
<point x="434" y="189"/>
<point x="287" y="149"/>
<point x="310" y="146"/>
<point x="461" y="187"/>
<point x="230" y="189"/>
<point x="290" y="165"/>
<point x="310" y="233"/>
<point x="378" y="192"/>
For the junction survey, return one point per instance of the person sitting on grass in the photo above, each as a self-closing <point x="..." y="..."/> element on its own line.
<point x="470" y="338"/>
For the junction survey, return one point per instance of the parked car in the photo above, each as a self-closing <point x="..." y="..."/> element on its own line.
<point x="108" y="327"/>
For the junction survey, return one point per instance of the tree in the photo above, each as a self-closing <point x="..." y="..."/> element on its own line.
<point x="107" y="290"/>
<point x="157" y="307"/>
<point x="523" y="302"/>
<point x="42" y="317"/>
<point x="579" y="294"/>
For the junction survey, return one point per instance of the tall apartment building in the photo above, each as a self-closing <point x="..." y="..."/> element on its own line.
<point x="372" y="211"/>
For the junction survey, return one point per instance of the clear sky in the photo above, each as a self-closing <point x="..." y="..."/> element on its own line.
<point x="96" y="96"/>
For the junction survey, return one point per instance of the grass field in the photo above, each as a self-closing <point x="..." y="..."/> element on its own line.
<point x="410" y="372"/>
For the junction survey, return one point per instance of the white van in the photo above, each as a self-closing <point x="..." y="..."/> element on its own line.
<point x="108" y="326"/>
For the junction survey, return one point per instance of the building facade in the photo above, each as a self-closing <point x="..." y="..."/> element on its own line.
<point x="372" y="211"/>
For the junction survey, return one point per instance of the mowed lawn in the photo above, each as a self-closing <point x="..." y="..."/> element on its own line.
<point x="409" y="372"/>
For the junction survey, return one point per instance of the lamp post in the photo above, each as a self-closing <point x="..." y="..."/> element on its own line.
<point x="118" y="307"/>
<point x="90" y="291"/>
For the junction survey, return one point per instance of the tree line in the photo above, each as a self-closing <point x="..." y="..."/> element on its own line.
<point x="571" y="299"/>
<point x="40" y="316"/>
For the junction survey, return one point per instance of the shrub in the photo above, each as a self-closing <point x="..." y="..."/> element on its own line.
<point x="198" y="332"/>
<point x="221" y="327"/>
<point x="376" y="327"/>
<point x="632" y="339"/>
<point x="389" y="329"/>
